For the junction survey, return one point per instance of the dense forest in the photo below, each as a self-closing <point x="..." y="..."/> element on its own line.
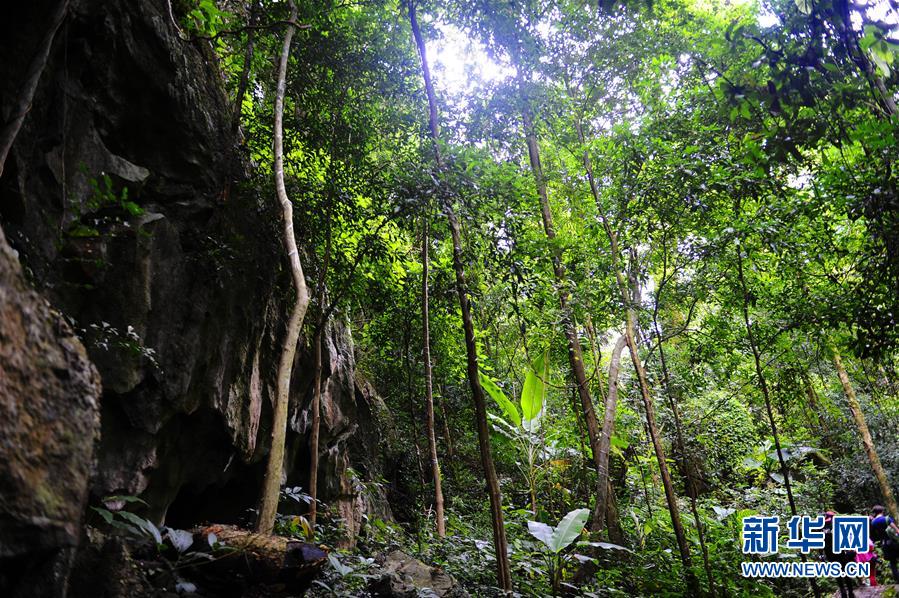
<point x="417" y="298"/>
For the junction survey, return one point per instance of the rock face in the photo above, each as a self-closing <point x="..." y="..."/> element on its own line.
<point x="407" y="577"/>
<point x="128" y="202"/>
<point x="49" y="420"/>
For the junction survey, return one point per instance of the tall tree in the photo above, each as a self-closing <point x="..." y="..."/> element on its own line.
<point x="504" y="575"/>
<point x="318" y="340"/>
<point x="271" y="485"/>
<point x="629" y="294"/>
<point x="746" y="298"/>
<point x="575" y="354"/>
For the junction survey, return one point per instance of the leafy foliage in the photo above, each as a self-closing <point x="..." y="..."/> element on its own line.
<point x="742" y="159"/>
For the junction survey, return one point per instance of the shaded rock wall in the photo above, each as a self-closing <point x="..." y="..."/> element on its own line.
<point x="131" y="212"/>
<point x="49" y="422"/>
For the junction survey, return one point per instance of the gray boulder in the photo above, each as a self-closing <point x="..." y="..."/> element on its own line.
<point x="407" y="577"/>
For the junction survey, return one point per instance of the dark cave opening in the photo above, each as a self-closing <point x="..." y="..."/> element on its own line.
<point x="230" y="501"/>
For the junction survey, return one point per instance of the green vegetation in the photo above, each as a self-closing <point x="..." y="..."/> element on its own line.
<point x="713" y="182"/>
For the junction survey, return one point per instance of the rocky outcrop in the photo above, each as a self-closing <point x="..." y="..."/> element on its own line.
<point x="404" y="576"/>
<point x="131" y="209"/>
<point x="49" y="420"/>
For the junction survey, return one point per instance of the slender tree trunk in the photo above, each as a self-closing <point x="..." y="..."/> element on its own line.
<point x="324" y="313"/>
<point x="413" y="417"/>
<point x="667" y="484"/>
<point x="860" y="423"/>
<point x="575" y="356"/>
<point x="429" y="388"/>
<point x="504" y="576"/>
<point x="652" y="428"/>
<point x="766" y="395"/>
<point x="271" y="484"/>
<point x="318" y="346"/>
<point x="499" y="532"/>
<point x="605" y="438"/>
<point x="32" y="76"/>
<point x="760" y="374"/>
<point x="687" y="469"/>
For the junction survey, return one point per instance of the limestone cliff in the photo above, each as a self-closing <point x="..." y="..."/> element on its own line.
<point x="128" y="203"/>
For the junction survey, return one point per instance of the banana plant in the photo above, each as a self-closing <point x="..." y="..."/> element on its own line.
<point x="521" y="423"/>
<point x="557" y="539"/>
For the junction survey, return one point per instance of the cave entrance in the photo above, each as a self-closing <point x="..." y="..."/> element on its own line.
<point x="231" y="502"/>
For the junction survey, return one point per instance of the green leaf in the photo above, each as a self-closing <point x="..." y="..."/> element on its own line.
<point x="84" y="231"/>
<point x="619" y="442"/>
<point x="872" y="34"/>
<point x="132" y="208"/>
<point x="140" y="522"/>
<point x="559" y="538"/>
<point x="534" y="390"/>
<point x="106" y="515"/>
<point x="804" y="6"/>
<point x="342" y="570"/>
<point x="497" y="394"/>
<point x="605" y="546"/>
<point x="542" y="532"/>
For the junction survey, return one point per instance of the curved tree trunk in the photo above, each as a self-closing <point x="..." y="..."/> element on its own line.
<point x="36" y="67"/>
<point x="504" y="576"/>
<point x="271" y="485"/>
<point x="859" y="417"/>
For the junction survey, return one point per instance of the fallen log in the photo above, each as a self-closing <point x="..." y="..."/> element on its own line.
<point x="241" y="561"/>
